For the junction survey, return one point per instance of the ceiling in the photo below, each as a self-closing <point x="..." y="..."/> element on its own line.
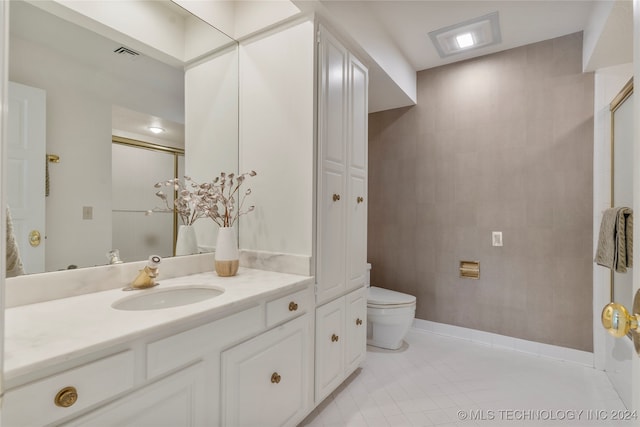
<point x="407" y="23"/>
<point x="394" y="34"/>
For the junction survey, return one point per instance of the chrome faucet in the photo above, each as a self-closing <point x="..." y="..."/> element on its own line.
<point x="146" y="276"/>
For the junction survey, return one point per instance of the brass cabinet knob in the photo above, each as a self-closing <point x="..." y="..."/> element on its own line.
<point x="336" y="197"/>
<point x="334" y="338"/>
<point x="275" y="378"/>
<point x="359" y="199"/>
<point x="66" y="397"/>
<point x="358" y="321"/>
<point x="293" y="306"/>
<point x="617" y="320"/>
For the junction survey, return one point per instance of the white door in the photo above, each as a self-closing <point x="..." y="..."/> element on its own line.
<point x="26" y="171"/>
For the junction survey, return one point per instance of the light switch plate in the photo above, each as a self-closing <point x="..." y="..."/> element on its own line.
<point x="496" y="238"/>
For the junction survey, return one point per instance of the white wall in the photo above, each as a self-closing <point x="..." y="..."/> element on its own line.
<point x="211" y="127"/>
<point x="277" y="138"/>
<point x="608" y="36"/>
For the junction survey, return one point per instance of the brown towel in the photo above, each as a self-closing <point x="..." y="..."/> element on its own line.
<point x="615" y="241"/>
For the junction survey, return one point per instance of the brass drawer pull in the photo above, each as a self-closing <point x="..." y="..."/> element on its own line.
<point x="336" y="197"/>
<point x="66" y="397"/>
<point x="293" y="306"/>
<point x="358" y="322"/>
<point x="334" y="338"/>
<point x="275" y="378"/>
<point x="359" y="199"/>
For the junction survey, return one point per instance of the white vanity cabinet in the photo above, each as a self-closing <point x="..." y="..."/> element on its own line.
<point x="341" y="340"/>
<point x="68" y="392"/>
<point x="180" y="373"/>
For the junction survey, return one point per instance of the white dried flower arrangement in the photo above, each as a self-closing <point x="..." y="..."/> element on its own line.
<point x="216" y="199"/>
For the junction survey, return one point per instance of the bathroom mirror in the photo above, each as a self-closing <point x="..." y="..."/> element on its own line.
<point x="622" y="178"/>
<point x="145" y="57"/>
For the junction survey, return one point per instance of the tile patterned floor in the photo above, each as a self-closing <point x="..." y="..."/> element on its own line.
<point x="440" y="381"/>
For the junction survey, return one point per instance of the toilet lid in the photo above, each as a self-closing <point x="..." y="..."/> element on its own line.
<point x="381" y="296"/>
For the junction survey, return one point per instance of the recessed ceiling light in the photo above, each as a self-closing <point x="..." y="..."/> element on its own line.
<point x="464" y="40"/>
<point x="472" y="34"/>
<point x="156" y="129"/>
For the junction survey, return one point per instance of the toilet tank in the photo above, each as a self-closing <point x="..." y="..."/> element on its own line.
<point x="368" y="278"/>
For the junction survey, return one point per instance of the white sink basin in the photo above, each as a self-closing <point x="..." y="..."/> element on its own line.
<point x="167" y="297"/>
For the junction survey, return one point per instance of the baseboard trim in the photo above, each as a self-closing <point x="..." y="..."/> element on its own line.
<point x="501" y="341"/>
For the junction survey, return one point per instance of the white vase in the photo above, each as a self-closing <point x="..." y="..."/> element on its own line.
<point x="227" y="257"/>
<point x="186" y="243"/>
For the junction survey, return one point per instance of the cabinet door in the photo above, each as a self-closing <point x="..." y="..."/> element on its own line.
<point x="357" y="232"/>
<point x="357" y="174"/>
<point x="332" y="167"/>
<point x="331" y="239"/>
<point x="329" y="347"/>
<point x="178" y="400"/>
<point x="355" y="329"/>
<point x="266" y="380"/>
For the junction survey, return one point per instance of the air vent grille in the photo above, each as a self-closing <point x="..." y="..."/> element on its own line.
<point x="126" y="51"/>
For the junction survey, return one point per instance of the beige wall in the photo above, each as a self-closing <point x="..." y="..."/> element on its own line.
<point x="499" y="143"/>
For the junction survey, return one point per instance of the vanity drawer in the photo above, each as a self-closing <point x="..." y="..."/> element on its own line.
<point x="192" y="345"/>
<point x="289" y="306"/>
<point x="35" y="403"/>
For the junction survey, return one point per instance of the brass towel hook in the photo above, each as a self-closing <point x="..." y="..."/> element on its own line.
<point x="617" y="320"/>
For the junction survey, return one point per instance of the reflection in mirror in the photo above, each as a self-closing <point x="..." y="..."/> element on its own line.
<point x="622" y="178"/>
<point x="89" y="89"/>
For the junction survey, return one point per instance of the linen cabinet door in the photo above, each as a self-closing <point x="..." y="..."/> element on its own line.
<point x="332" y="166"/>
<point x="357" y="232"/>
<point x="357" y="146"/>
<point x="329" y="347"/>
<point x="266" y="380"/>
<point x="331" y="257"/>
<point x="355" y="329"/>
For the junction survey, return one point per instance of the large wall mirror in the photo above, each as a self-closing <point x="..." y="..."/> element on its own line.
<point x="622" y="178"/>
<point x="85" y="74"/>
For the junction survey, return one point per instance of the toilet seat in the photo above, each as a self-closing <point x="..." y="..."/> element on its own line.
<point x="386" y="298"/>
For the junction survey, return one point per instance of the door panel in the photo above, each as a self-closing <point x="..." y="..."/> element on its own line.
<point x="27" y="159"/>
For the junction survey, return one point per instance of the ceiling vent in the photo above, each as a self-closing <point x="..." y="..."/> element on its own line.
<point x="126" y="52"/>
<point x="472" y="34"/>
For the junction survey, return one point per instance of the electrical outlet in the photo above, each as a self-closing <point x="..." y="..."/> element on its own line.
<point x="496" y="238"/>
<point x="87" y="212"/>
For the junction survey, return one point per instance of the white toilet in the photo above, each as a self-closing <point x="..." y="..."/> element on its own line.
<point x="389" y="315"/>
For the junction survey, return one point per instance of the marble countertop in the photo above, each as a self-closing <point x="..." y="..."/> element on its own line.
<point x="40" y="335"/>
